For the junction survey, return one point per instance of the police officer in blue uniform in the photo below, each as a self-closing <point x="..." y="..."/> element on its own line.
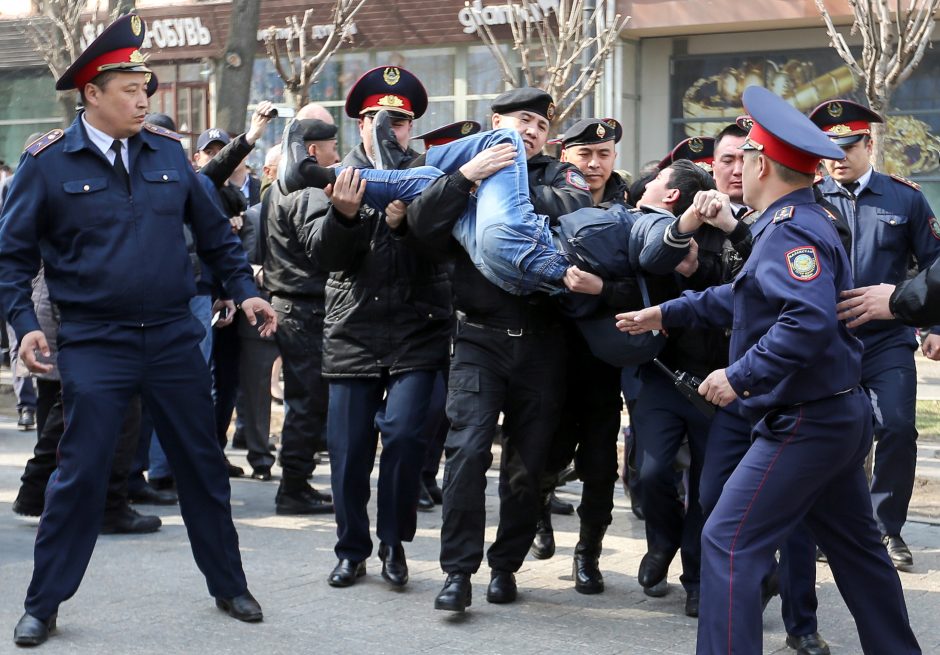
<point x="102" y="204"/>
<point x="890" y="221"/>
<point x="795" y="372"/>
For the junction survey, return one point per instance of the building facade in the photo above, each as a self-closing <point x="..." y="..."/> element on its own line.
<point x="677" y="71"/>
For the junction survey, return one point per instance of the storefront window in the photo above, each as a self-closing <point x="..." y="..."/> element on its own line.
<point x="434" y="67"/>
<point x="28" y="104"/>
<point x="706" y="96"/>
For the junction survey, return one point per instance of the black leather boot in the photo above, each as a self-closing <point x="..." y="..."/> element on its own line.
<point x="586" y="572"/>
<point x="543" y="545"/>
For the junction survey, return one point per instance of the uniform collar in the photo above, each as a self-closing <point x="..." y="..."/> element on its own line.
<point x="77" y="137"/>
<point x="862" y="182"/>
<point x="798" y="197"/>
<point x="101" y="140"/>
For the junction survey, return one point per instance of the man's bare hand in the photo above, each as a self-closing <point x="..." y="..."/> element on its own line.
<point x="580" y="281"/>
<point x="717" y="390"/>
<point x="259" y="121"/>
<point x="226" y="310"/>
<point x="237" y="222"/>
<point x="259" y="306"/>
<point x="931" y="347"/>
<point x="346" y="194"/>
<point x="33" y="345"/>
<point x="489" y="161"/>
<point x="645" y="320"/>
<point x="715" y="209"/>
<point x="689" y="263"/>
<point x="395" y="213"/>
<point x="865" y="304"/>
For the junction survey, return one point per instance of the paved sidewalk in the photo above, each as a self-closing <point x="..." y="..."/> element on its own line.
<point x="145" y="595"/>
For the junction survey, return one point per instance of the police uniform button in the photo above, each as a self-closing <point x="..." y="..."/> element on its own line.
<point x="86" y="188"/>
<point x="165" y="178"/>
<point x="746" y="394"/>
<point x="893" y="222"/>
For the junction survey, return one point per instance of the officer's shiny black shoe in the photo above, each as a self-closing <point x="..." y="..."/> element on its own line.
<point x="129" y="521"/>
<point x="30" y="631"/>
<point x="658" y="590"/>
<point x="899" y="553"/>
<point x="387" y="153"/>
<point x="28" y="503"/>
<point x="543" y="545"/>
<point x="691" y="603"/>
<point x="147" y="495"/>
<point x="434" y="491"/>
<point x="27" y="420"/>
<point x="585" y="570"/>
<point x="653" y="567"/>
<point x="233" y="470"/>
<point x="346" y="572"/>
<point x="295" y="497"/>
<point x="559" y="506"/>
<point x="162" y="484"/>
<point x="244" y="607"/>
<point x="456" y="594"/>
<point x="811" y="644"/>
<point x="262" y="473"/>
<point x="502" y="588"/>
<point x="394" y="564"/>
<point x="425" y="502"/>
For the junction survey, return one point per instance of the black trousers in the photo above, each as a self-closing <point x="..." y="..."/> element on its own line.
<point x="299" y="338"/>
<point x="435" y="427"/>
<point x="256" y="356"/>
<point x="588" y="430"/>
<point x="225" y="344"/>
<point x="50" y="426"/>
<point x="522" y="377"/>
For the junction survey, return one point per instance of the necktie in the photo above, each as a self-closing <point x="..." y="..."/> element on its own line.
<point x="851" y="187"/>
<point x="119" y="165"/>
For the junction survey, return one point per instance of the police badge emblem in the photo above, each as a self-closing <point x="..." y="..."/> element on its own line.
<point x="803" y="263"/>
<point x="135" y="25"/>
<point x="391" y="76"/>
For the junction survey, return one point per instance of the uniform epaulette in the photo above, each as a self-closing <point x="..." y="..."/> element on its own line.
<point x="162" y="131"/>
<point x="832" y="217"/>
<point x="904" y="180"/>
<point x="43" y="142"/>
<point x="783" y="214"/>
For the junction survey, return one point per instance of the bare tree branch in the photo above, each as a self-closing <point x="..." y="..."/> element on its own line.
<point x="894" y="39"/>
<point x="304" y="69"/>
<point x="552" y="48"/>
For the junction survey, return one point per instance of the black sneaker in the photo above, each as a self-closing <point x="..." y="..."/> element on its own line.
<point x="387" y="153"/>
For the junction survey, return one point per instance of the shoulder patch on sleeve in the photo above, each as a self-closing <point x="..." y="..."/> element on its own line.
<point x="577" y="180"/>
<point x="783" y="214"/>
<point x="162" y="131"/>
<point x="43" y="142"/>
<point x="803" y="263"/>
<point x="934" y="227"/>
<point x="904" y="180"/>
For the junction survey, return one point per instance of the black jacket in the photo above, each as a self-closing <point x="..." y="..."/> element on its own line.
<point x="388" y="306"/>
<point x="917" y="301"/>
<point x="289" y="270"/>
<point x="431" y="218"/>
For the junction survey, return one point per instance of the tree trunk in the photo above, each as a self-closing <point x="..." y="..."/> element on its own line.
<point x="67" y="101"/>
<point x="295" y="96"/>
<point x="880" y="106"/>
<point x="233" y="82"/>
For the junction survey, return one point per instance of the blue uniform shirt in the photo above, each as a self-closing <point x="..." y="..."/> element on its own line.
<point x="787" y="347"/>
<point x="111" y="256"/>
<point x="890" y="221"/>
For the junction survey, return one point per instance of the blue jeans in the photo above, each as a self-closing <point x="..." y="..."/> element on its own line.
<point x="508" y="242"/>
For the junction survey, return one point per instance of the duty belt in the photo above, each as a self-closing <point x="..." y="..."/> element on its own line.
<point x="512" y="332"/>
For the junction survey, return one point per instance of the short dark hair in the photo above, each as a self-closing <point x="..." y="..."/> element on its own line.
<point x="688" y="179"/>
<point x="732" y="129"/>
<point x="100" y="80"/>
